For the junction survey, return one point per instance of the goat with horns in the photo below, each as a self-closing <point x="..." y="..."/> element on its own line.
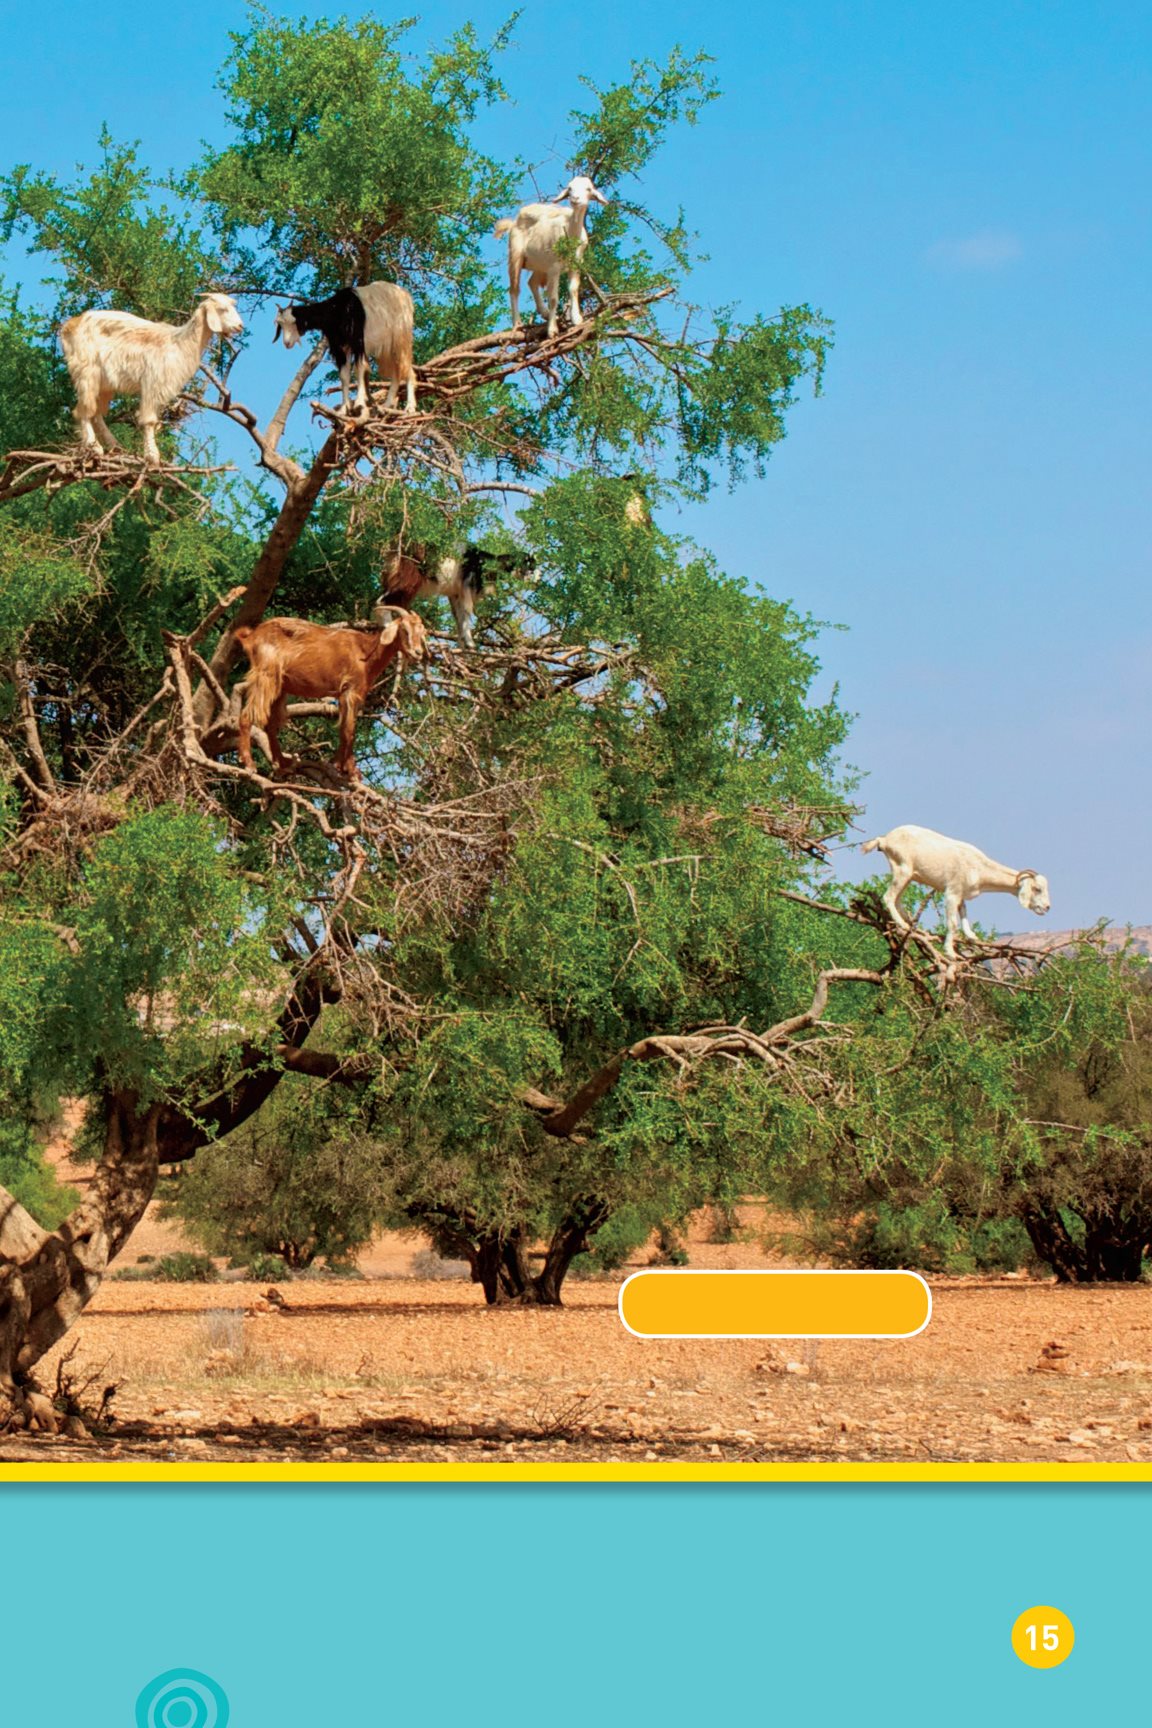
<point x="956" y="870"/>
<point x="459" y="579"/>
<point x="290" y="657"/>
<point x="360" y="324"/>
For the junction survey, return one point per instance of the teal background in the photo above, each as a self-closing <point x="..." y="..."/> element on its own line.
<point x="565" y="1605"/>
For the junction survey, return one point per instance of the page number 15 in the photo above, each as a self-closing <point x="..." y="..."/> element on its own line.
<point x="1043" y="1637"/>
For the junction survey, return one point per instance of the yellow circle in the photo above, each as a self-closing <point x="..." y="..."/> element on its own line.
<point x="1043" y="1637"/>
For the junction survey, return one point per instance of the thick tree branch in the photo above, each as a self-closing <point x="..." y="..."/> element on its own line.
<point x="686" y="1049"/>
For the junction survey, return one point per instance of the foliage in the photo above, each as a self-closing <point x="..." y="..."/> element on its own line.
<point x="1009" y="1129"/>
<point x="266" y="1268"/>
<point x="291" y="1184"/>
<point x="184" y="1268"/>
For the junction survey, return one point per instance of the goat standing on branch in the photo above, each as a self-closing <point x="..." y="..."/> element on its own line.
<point x="118" y="354"/>
<point x="956" y="870"/>
<point x="458" y="579"/>
<point x="360" y="324"/>
<point x="290" y="657"/>
<point x="534" y="233"/>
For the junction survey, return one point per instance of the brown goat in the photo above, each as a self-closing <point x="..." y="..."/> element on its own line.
<point x="290" y="657"/>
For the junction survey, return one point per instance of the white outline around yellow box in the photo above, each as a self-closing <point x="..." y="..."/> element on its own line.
<point x="774" y="1272"/>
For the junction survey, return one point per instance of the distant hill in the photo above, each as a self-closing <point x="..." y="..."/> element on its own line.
<point x="1039" y="941"/>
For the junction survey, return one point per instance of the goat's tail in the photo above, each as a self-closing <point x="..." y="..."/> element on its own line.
<point x="260" y="690"/>
<point x="871" y="845"/>
<point x="504" y="226"/>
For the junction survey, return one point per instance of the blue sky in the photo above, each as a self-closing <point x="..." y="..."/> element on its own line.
<point x="966" y="192"/>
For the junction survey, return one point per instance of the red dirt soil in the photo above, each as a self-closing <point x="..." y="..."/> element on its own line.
<point x="404" y="1369"/>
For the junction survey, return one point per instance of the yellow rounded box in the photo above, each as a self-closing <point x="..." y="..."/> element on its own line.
<point x="786" y="1304"/>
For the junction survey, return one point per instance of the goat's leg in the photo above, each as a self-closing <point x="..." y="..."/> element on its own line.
<point x="86" y="413"/>
<point x="362" y="384"/>
<point x="350" y="705"/>
<point x="91" y="406"/>
<point x="575" y="316"/>
<point x="393" y="389"/>
<point x="964" y="924"/>
<point x="553" y="301"/>
<point x="276" y="717"/>
<point x="893" y="893"/>
<point x="244" y="738"/>
<point x="104" y="402"/>
<point x="148" y="420"/>
<point x="463" y="607"/>
<point x="345" y="396"/>
<point x="953" y="908"/>
<point x="537" y="283"/>
<point x="514" y="291"/>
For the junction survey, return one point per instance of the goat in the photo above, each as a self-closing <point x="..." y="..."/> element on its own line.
<point x="360" y="324"/>
<point x="290" y="657"/>
<point x="118" y="354"/>
<point x="458" y="579"/>
<point x="533" y="236"/>
<point x="956" y="870"/>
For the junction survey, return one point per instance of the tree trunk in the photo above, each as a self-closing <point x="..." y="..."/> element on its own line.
<point x="1049" y="1236"/>
<point x="499" y="1261"/>
<point x="269" y="567"/>
<point x="572" y="1236"/>
<point x="499" y="1265"/>
<point x="47" y="1278"/>
<point x="1112" y="1252"/>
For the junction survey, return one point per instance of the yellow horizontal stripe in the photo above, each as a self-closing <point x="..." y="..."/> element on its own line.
<point x="672" y="1471"/>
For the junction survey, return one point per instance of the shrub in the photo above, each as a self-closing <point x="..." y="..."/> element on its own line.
<point x="184" y="1268"/>
<point x="266" y="1268"/>
<point x="292" y="1183"/>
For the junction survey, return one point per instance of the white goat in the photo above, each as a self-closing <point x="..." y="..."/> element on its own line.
<point x="117" y="354"/>
<point x="533" y="236"/>
<point x="375" y="322"/>
<point x="954" y="869"/>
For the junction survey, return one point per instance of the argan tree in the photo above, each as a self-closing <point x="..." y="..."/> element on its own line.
<point x="601" y="780"/>
<point x="546" y="949"/>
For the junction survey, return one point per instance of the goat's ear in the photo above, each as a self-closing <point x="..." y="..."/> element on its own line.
<point x="276" y="324"/>
<point x="215" y="322"/>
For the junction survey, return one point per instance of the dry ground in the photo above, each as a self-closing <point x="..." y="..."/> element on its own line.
<point x="398" y="1368"/>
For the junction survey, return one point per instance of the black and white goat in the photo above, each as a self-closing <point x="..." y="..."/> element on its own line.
<point x="458" y="579"/>
<point x="360" y="324"/>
